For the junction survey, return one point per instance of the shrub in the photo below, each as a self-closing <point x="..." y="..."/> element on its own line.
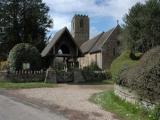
<point x="108" y="74"/>
<point x="135" y="56"/>
<point x="145" y="77"/>
<point x="93" y="73"/>
<point x="24" y="53"/>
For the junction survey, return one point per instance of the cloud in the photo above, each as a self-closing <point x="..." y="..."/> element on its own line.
<point x="93" y="31"/>
<point x="63" y="10"/>
<point x="61" y="21"/>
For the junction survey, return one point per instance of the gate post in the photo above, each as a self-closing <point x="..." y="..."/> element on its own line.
<point x="78" y="77"/>
<point x="50" y="76"/>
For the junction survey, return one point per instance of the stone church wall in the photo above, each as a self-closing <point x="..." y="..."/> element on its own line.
<point x="110" y="50"/>
<point x="88" y="59"/>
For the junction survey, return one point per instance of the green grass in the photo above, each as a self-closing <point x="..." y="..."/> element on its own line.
<point x="122" y="109"/>
<point x="122" y="61"/>
<point x="98" y="82"/>
<point x="9" y="85"/>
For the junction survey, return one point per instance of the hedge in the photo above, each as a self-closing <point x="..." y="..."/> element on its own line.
<point x="24" y="53"/>
<point x="145" y="76"/>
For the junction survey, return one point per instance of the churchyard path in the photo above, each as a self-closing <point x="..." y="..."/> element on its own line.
<point x="71" y="101"/>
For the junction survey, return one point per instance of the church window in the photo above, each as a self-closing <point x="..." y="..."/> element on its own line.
<point x="114" y="51"/>
<point x="118" y="43"/>
<point x="1" y="29"/>
<point x="81" y="23"/>
<point x="73" y="26"/>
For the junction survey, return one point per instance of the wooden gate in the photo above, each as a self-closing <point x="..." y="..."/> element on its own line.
<point x="63" y="77"/>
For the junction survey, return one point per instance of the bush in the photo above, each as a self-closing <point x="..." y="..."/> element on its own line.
<point x="135" y="56"/>
<point x="93" y="73"/>
<point x="145" y="77"/>
<point x="24" y="53"/>
<point x="108" y="74"/>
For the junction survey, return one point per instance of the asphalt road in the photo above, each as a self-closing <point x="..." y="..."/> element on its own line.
<point x="14" y="110"/>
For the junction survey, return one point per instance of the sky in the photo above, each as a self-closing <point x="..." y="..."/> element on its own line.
<point x="103" y="14"/>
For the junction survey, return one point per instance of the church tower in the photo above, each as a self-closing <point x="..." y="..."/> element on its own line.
<point x="80" y="28"/>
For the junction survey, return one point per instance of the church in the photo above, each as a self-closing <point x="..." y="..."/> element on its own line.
<point x="75" y="49"/>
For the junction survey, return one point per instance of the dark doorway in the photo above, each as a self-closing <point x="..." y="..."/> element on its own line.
<point x="65" y="49"/>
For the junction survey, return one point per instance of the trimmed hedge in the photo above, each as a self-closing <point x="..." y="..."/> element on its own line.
<point x="24" y="53"/>
<point x="145" y="76"/>
<point x="93" y="73"/>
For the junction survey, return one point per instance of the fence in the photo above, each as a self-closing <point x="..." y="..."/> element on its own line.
<point x="23" y="76"/>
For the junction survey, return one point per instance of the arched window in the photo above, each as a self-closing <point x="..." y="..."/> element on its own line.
<point x="1" y="29"/>
<point x="81" y="23"/>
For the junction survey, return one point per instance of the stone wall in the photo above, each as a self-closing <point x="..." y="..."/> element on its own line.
<point x="22" y="76"/>
<point x="131" y="96"/>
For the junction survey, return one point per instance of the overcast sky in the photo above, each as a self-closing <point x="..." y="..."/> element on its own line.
<point x="103" y="13"/>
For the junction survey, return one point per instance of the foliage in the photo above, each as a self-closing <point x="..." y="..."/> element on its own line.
<point x="142" y="26"/>
<point x="121" y="63"/>
<point x="3" y="65"/>
<point x="24" y="53"/>
<point x="145" y="77"/>
<point x="9" y="85"/>
<point x="93" y="73"/>
<point x="108" y="74"/>
<point x="122" y="109"/>
<point x="155" y="114"/>
<point x="25" y="21"/>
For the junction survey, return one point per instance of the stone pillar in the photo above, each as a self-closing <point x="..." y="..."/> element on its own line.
<point x="50" y="76"/>
<point x="78" y="77"/>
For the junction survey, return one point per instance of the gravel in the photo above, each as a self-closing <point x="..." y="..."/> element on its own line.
<point x="72" y="99"/>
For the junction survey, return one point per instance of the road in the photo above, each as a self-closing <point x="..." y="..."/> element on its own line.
<point x="14" y="110"/>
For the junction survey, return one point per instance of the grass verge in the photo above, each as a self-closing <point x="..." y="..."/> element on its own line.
<point x="9" y="85"/>
<point x="98" y="82"/>
<point x="123" y="61"/>
<point x="124" y="110"/>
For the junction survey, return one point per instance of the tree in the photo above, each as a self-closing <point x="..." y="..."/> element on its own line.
<point x="142" y="26"/>
<point x="24" y="53"/>
<point x="25" y="21"/>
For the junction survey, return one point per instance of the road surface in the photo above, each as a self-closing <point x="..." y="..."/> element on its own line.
<point x="14" y="110"/>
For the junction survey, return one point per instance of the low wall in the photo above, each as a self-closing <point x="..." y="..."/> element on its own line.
<point x="22" y="76"/>
<point x="131" y="96"/>
<point x="3" y="75"/>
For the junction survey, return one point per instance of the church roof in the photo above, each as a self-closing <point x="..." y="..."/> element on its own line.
<point x="97" y="47"/>
<point x="88" y="45"/>
<point x="54" y="41"/>
<point x="96" y="43"/>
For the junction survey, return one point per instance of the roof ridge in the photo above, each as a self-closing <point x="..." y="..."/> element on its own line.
<point x="112" y="30"/>
<point x="101" y="34"/>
